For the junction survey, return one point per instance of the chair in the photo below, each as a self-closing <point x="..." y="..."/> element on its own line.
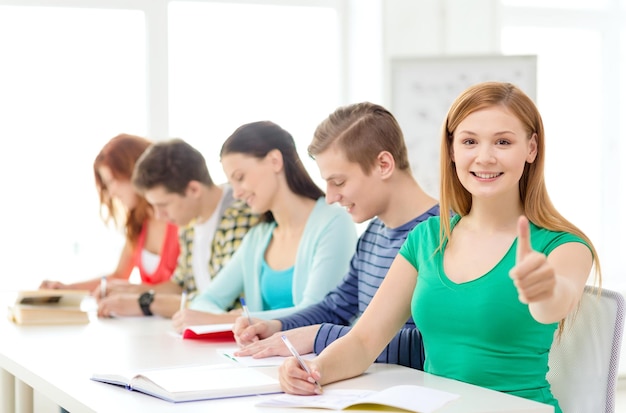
<point x="584" y="362"/>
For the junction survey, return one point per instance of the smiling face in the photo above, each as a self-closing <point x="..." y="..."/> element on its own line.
<point x="254" y="180"/>
<point x="490" y="148"/>
<point x="348" y="185"/>
<point x="120" y="189"/>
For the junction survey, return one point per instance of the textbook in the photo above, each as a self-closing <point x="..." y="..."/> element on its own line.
<point x="214" y="332"/>
<point x="196" y="382"/>
<point x="40" y="307"/>
<point x="413" y="398"/>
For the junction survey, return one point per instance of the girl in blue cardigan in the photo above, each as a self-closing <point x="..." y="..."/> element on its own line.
<point x="296" y="254"/>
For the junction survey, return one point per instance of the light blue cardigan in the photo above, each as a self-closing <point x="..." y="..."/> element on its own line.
<point x="327" y="244"/>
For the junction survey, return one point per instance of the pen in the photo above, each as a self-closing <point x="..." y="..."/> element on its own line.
<point x="183" y="300"/>
<point x="295" y="353"/>
<point x="245" y="309"/>
<point x="103" y="286"/>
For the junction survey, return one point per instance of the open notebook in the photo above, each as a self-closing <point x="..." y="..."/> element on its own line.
<point x="406" y="397"/>
<point x="196" y="382"/>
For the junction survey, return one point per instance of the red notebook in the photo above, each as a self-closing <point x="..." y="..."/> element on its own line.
<point x="214" y="332"/>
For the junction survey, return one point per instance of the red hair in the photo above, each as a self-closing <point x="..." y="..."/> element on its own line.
<point x="120" y="155"/>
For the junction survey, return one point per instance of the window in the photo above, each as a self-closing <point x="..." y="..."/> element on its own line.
<point x="578" y="66"/>
<point x="570" y="120"/>
<point x="232" y="64"/>
<point x="556" y="4"/>
<point x="70" y="80"/>
<point x="77" y="76"/>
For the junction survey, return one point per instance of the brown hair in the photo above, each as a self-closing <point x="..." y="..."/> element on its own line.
<point x="172" y="164"/>
<point x="120" y="155"/>
<point x="362" y="131"/>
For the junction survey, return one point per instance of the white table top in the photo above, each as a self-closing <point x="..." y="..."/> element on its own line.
<point x="58" y="361"/>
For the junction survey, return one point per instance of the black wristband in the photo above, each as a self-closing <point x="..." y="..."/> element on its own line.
<point x="145" y="300"/>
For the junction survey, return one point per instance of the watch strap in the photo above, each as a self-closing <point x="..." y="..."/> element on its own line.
<point x="145" y="300"/>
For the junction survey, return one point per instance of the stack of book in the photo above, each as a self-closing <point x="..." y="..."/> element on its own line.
<point x="40" y="307"/>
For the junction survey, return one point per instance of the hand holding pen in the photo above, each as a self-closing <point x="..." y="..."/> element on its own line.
<point x="303" y="366"/>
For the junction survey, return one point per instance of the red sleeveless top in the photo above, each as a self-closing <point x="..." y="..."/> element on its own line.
<point x="169" y="255"/>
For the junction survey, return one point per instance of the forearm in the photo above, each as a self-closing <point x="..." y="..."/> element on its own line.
<point x="167" y="287"/>
<point x="405" y="349"/>
<point x="93" y="283"/>
<point x="83" y="285"/>
<point x="344" y="358"/>
<point x="222" y="294"/>
<point x="317" y="314"/>
<point x="165" y="304"/>
<point x="385" y="315"/>
<point x="564" y="299"/>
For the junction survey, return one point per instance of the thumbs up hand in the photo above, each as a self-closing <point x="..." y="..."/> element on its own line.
<point x="532" y="275"/>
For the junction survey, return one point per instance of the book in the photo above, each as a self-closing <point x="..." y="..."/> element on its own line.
<point x="412" y="398"/>
<point x="40" y="307"/>
<point x="213" y="332"/>
<point x="196" y="382"/>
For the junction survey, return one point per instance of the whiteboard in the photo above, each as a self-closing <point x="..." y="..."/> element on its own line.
<point x="422" y="90"/>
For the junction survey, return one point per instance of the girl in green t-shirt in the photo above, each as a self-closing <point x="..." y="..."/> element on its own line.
<point x="489" y="287"/>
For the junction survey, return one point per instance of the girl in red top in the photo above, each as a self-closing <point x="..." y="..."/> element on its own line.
<point x="151" y="245"/>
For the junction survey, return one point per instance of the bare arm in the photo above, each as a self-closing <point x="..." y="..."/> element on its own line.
<point x="302" y="339"/>
<point x="122" y="272"/>
<point x="165" y="304"/>
<point x="552" y="285"/>
<point x="352" y="354"/>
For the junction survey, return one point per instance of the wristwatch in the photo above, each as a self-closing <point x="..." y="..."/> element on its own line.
<point x="145" y="299"/>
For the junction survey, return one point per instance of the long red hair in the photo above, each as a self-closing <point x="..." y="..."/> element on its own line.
<point x="120" y="155"/>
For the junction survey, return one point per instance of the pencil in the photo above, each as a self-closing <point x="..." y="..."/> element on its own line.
<point x="295" y="353"/>
<point x="103" y="286"/>
<point x="183" y="300"/>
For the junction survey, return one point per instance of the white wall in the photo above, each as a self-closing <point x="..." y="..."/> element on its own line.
<point x="459" y="27"/>
<point x="438" y="27"/>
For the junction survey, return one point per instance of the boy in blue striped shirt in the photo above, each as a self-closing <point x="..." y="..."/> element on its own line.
<point x="361" y="154"/>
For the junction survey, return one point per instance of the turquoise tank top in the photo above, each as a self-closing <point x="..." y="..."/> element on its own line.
<point x="276" y="287"/>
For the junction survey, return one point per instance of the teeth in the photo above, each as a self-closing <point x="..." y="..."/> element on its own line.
<point x="486" y="176"/>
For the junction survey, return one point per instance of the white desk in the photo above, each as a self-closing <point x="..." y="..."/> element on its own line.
<point x="57" y="361"/>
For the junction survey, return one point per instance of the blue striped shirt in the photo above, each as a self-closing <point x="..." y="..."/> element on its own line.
<point x="376" y="249"/>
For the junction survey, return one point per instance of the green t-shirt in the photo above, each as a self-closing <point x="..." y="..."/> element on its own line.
<point x="478" y="331"/>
